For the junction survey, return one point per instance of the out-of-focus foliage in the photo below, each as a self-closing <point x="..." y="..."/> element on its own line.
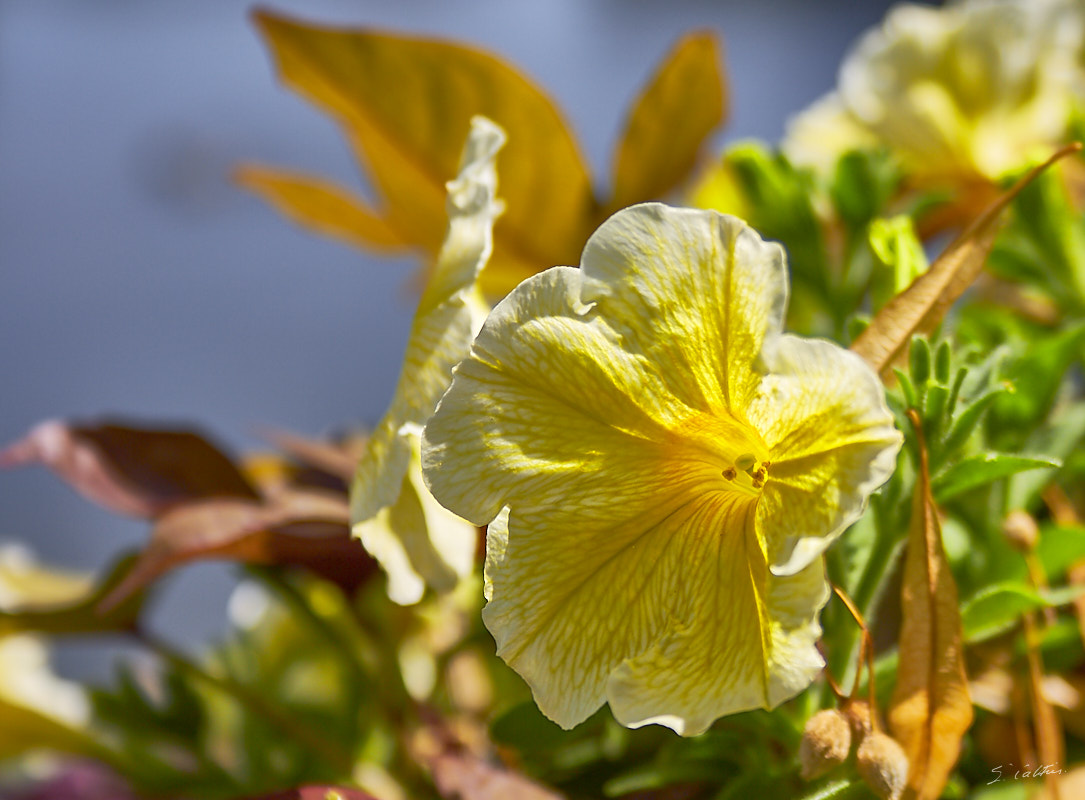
<point x="933" y="220"/>
<point x="410" y="147"/>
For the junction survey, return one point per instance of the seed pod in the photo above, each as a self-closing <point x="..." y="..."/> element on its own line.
<point x="826" y="741"/>
<point x="1021" y="530"/>
<point x="883" y="765"/>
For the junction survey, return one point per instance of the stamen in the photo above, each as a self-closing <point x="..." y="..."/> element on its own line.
<point x="730" y="473"/>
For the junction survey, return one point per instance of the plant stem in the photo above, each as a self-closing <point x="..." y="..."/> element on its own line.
<point x="300" y="732"/>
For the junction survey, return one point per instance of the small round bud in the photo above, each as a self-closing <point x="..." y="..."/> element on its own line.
<point x="826" y="741"/>
<point x="1021" y="530"/>
<point x="883" y="765"/>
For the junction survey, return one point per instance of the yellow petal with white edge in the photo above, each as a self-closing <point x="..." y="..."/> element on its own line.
<point x="695" y="291"/>
<point x="449" y="314"/>
<point x="831" y="440"/>
<point x="748" y="643"/>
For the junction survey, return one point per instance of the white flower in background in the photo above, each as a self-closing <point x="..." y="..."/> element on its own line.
<point x="969" y="91"/>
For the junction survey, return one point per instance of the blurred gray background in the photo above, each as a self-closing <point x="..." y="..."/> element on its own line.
<point x="136" y="280"/>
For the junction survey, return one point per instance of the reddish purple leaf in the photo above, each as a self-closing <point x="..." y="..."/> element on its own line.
<point x="468" y="777"/>
<point x="317" y="793"/>
<point x="135" y="471"/>
<point x="301" y="528"/>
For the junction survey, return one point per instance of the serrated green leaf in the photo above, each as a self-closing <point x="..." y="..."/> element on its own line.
<point x="996" y="609"/>
<point x="982" y="469"/>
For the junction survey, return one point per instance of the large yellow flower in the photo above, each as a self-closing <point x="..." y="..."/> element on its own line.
<point x="661" y="468"/>
<point x="970" y="91"/>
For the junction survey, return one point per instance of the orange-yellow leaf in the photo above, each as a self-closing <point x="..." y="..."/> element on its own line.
<point x="920" y="307"/>
<point x="668" y="124"/>
<point x="406" y="104"/>
<point x="320" y="205"/>
<point x="931" y="708"/>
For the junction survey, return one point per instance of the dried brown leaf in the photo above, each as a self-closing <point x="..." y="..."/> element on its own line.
<point x="919" y="308"/>
<point x="931" y="709"/>
<point x="301" y="528"/>
<point x="134" y="471"/>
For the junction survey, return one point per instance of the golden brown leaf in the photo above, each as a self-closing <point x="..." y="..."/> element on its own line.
<point x="920" y="307"/>
<point x="407" y="103"/>
<point x="321" y="205"/>
<point x="682" y="104"/>
<point x="931" y="709"/>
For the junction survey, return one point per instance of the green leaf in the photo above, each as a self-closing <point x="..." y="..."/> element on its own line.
<point x="967" y="420"/>
<point x="1059" y="547"/>
<point x="982" y="469"/>
<point x="942" y="363"/>
<point x="1059" y="437"/>
<point x="996" y="609"/>
<point x="896" y="245"/>
<point x="863" y="182"/>
<point x="780" y="207"/>
<point x="919" y="360"/>
<point x="1037" y="374"/>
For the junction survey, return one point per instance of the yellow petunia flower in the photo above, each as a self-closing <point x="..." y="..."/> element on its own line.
<point x="661" y="467"/>
<point x="416" y="541"/>
<point x="967" y="92"/>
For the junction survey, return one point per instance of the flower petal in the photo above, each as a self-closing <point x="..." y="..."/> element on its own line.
<point x="712" y="289"/>
<point x="571" y="598"/>
<point x="448" y="315"/>
<point x="750" y="644"/>
<point x="822" y="413"/>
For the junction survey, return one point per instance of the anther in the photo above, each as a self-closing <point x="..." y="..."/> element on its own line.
<point x="730" y="473"/>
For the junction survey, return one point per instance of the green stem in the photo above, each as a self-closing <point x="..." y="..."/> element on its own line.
<point x="309" y="738"/>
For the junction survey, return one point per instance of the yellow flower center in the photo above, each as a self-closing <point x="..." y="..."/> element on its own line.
<point x="732" y="448"/>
